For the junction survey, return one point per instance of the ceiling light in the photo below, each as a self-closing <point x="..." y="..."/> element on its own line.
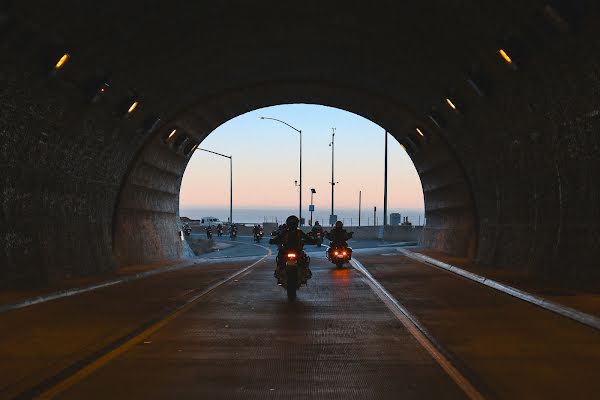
<point x="420" y="132"/>
<point x="451" y="104"/>
<point x="133" y="107"/>
<point x="63" y="60"/>
<point x="172" y="134"/>
<point x="505" y="56"/>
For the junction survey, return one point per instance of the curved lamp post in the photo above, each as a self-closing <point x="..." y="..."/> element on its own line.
<point x="230" y="181"/>
<point x="300" y="132"/>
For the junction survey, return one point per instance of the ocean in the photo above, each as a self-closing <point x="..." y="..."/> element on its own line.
<point x="258" y="216"/>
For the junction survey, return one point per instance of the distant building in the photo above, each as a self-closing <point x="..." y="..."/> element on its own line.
<point x="395" y="219"/>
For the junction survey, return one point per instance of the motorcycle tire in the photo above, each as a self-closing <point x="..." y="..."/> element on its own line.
<point x="339" y="265"/>
<point x="292" y="285"/>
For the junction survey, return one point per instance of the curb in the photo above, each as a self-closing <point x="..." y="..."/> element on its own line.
<point x="581" y="317"/>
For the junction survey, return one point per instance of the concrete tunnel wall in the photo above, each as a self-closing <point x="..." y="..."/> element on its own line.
<point x="81" y="183"/>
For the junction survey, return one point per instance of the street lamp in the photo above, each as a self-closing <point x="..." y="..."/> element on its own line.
<point x="311" y="208"/>
<point x="332" y="217"/>
<point x="230" y="181"/>
<point x="300" y="132"/>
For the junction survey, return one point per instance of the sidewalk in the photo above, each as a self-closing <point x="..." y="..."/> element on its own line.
<point x="585" y="299"/>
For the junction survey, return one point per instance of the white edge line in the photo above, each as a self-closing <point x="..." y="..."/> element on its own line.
<point x="134" y="277"/>
<point x="417" y="330"/>
<point x="576" y="315"/>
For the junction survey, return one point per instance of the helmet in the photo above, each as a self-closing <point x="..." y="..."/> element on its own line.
<point x="339" y="224"/>
<point x="317" y="223"/>
<point x="292" y="222"/>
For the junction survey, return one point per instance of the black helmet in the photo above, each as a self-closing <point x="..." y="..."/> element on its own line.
<point x="292" y="222"/>
<point x="339" y="224"/>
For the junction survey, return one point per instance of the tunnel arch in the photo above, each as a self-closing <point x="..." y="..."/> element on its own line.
<point x="525" y="136"/>
<point x="146" y="203"/>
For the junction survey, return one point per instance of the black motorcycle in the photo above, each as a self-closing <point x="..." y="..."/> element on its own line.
<point x="318" y="236"/>
<point x="293" y="272"/>
<point x="339" y="254"/>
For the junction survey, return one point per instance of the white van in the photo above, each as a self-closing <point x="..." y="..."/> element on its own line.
<point x="210" y="221"/>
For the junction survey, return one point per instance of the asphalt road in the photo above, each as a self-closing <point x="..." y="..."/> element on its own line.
<point x="203" y="332"/>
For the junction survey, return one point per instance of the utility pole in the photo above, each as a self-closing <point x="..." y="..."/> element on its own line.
<point x="332" y="144"/>
<point x="385" y="181"/>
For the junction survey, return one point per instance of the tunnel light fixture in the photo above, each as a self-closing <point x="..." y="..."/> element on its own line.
<point x="62" y="61"/>
<point x="133" y="107"/>
<point x="505" y="56"/>
<point x="173" y="132"/>
<point x="420" y="132"/>
<point x="194" y="148"/>
<point x="451" y="104"/>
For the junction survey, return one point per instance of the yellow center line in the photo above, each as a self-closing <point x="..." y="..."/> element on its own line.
<point x="106" y="358"/>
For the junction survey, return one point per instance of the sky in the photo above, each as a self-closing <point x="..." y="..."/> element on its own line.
<point x="265" y="164"/>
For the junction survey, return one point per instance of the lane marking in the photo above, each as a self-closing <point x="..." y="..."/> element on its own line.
<point x="41" y="392"/>
<point x="576" y="315"/>
<point x="129" y="278"/>
<point x="419" y="332"/>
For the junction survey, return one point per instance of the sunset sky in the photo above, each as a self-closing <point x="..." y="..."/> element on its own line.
<point x="265" y="163"/>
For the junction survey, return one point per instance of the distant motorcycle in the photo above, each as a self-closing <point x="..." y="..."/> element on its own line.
<point x="318" y="236"/>
<point x="258" y="235"/>
<point x="295" y="273"/>
<point x="209" y="233"/>
<point x="219" y="231"/>
<point x="339" y="254"/>
<point x="187" y="230"/>
<point x="233" y="234"/>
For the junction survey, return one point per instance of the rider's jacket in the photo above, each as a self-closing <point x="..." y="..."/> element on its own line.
<point x="338" y="235"/>
<point x="292" y="240"/>
<point x="317" y="228"/>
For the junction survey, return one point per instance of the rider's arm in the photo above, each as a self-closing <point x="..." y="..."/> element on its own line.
<point x="308" y="239"/>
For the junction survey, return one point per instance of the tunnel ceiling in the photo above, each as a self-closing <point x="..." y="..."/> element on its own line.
<point x="509" y="165"/>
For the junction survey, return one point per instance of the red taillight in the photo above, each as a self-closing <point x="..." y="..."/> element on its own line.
<point x="291" y="255"/>
<point x="335" y="253"/>
<point x="344" y="253"/>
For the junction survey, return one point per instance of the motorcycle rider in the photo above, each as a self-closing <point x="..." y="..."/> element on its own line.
<point x="317" y="228"/>
<point x="257" y="231"/>
<point x="291" y="239"/>
<point x="219" y="230"/>
<point x="338" y="235"/>
<point x="209" y="232"/>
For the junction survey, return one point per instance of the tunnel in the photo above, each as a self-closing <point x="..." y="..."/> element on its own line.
<point x="101" y="109"/>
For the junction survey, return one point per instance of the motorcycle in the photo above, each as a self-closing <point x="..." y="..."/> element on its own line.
<point x="257" y="237"/>
<point x="209" y="233"/>
<point x="219" y="231"/>
<point x="317" y="235"/>
<point x="339" y="254"/>
<point x="294" y="273"/>
<point x="233" y="234"/>
<point x="187" y="230"/>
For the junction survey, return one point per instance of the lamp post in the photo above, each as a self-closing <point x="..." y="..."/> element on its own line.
<point x="333" y="182"/>
<point x="300" y="132"/>
<point x="385" y="182"/>
<point x="230" y="181"/>
<point x="312" y="206"/>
